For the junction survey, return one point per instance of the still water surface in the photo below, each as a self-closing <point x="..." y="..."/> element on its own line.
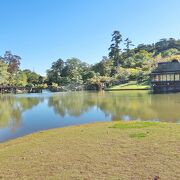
<point x="28" y="113"/>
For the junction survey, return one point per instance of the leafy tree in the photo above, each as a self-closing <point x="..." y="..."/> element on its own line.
<point x="122" y="75"/>
<point x="165" y="44"/>
<point x="170" y="58"/>
<point x="104" y="67"/>
<point x="169" y="52"/>
<point x="33" y="77"/>
<point x="88" y="75"/>
<point x="21" y="79"/>
<point x="41" y="80"/>
<point x="54" y="85"/>
<point x="114" y="48"/>
<point x="4" y="74"/>
<point x="51" y="76"/>
<point x="128" y="44"/>
<point x="129" y="62"/>
<point x="149" y="48"/>
<point x="73" y="70"/>
<point x="70" y="71"/>
<point x="141" y="58"/>
<point x="133" y="73"/>
<point x="58" y="66"/>
<point x="13" y="62"/>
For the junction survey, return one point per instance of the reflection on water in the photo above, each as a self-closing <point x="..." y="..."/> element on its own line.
<point x="11" y="109"/>
<point x="24" y="114"/>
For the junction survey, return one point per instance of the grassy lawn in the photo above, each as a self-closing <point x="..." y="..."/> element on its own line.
<point x="131" y="85"/>
<point x="111" y="150"/>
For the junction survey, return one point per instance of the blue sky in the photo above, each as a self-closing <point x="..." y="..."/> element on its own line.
<point x="41" y="31"/>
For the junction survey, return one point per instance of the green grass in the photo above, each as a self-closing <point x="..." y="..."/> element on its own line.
<point x="131" y="85"/>
<point x="127" y="150"/>
<point x="138" y="135"/>
<point x="134" y="124"/>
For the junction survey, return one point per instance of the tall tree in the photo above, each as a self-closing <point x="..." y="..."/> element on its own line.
<point x="13" y="62"/>
<point x="128" y="44"/>
<point x="58" y="66"/>
<point x="73" y="70"/>
<point x="4" y="75"/>
<point x="115" y="50"/>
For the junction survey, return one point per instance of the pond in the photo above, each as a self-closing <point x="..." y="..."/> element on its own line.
<point x="27" y="113"/>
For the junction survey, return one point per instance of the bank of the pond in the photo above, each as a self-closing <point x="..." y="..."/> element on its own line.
<point x="133" y="85"/>
<point x="113" y="150"/>
<point x="19" y="90"/>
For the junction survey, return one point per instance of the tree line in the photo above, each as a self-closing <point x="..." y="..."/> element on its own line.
<point x="12" y="75"/>
<point x="123" y="63"/>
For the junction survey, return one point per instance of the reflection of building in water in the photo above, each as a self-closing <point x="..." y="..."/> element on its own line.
<point x="166" y="77"/>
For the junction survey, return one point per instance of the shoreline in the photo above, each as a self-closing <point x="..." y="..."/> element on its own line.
<point x="128" y="89"/>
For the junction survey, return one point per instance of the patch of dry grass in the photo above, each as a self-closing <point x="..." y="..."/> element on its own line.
<point x="95" y="151"/>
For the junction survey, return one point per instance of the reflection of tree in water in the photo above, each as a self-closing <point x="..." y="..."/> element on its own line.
<point x="166" y="106"/>
<point x="11" y="109"/>
<point x="73" y="104"/>
<point x="141" y="105"/>
<point x="134" y="105"/>
<point x="115" y="104"/>
<point x="120" y="105"/>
